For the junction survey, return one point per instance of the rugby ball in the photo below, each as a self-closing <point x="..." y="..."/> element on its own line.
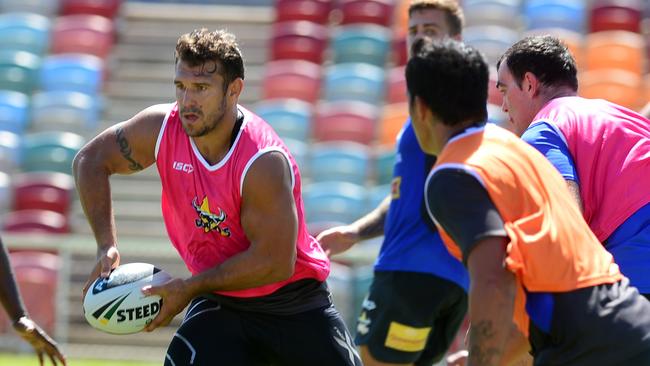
<point x="116" y="305"/>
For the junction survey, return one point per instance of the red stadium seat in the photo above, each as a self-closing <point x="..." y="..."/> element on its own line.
<point x="36" y="221"/>
<point x="105" y="8"/>
<point x="300" y="40"/>
<point x="91" y="34"/>
<point x="297" y="79"/>
<point x="317" y="11"/>
<point x="400" y="52"/>
<point x="396" y="88"/>
<point x="367" y="11"/>
<point x="616" y="15"/>
<point x="345" y="120"/>
<point x="37" y="274"/>
<point x="43" y="191"/>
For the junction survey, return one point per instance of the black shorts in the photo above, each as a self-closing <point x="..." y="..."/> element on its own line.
<point x="410" y="317"/>
<point x="216" y="335"/>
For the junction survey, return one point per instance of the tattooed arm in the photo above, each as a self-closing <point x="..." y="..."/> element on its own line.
<point x="124" y="148"/>
<point x="491" y="302"/>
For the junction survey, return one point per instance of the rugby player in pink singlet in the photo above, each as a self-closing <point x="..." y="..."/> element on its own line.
<point x="232" y="206"/>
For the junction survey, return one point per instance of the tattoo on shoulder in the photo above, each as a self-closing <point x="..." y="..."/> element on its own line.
<point x="125" y="149"/>
<point x="479" y="353"/>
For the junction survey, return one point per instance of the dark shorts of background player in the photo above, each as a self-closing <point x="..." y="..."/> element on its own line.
<point x="397" y="301"/>
<point x="214" y="333"/>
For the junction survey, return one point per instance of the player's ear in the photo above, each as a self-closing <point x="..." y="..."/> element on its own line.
<point x="530" y="84"/>
<point x="235" y="88"/>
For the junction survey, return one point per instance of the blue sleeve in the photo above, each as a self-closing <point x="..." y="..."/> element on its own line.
<point x="547" y="139"/>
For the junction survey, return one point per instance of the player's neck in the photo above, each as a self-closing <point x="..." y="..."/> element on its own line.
<point x="215" y="145"/>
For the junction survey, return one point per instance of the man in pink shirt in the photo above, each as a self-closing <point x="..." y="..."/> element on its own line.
<point x="233" y="210"/>
<point x="600" y="148"/>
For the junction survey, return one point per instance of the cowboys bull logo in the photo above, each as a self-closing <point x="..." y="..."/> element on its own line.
<point x="207" y="220"/>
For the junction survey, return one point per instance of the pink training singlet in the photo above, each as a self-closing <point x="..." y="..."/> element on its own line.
<point x="201" y="202"/>
<point x="610" y="146"/>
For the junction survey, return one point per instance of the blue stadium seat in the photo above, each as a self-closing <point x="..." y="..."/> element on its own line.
<point x="339" y="161"/>
<point x="354" y="81"/>
<point x="50" y="151"/>
<point x="334" y="201"/>
<point x="14" y="110"/>
<point x="505" y="13"/>
<point x="384" y="162"/>
<point x="368" y="43"/>
<point x="567" y="14"/>
<point x="19" y="71"/>
<point x="6" y="192"/>
<point x="290" y="118"/>
<point x="491" y="40"/>
<point x="64" y="111"/>
<point x="48" y="8"/>
<point x="72" y="72"/>
<point x="300" y="152"/>
<point x="377" y="194"/>
<point x="10" y="151"/>
<point x="25" y="32"/>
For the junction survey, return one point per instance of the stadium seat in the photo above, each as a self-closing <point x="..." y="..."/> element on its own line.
<point x="64" y="111"/>
<point x="14" y="110"/>
<point x="83" y="33"/>
<point x="290" y="118"/>
<point x="10" y="151"/>
<point x="19" y="71"/>
<point x="43" y="191"/>
<point x="6" y="192"/>
<point x="334" y="201"/>
<point x="378" y="12"/>
<point x="618" y="86"/>
<point x="35" y="221"/>
<point x="491" y="40"/>
<point x="399" y="49"/>
<point x="376" y="195"/>
<point x="384" y="162"/>
<point x="50" y="151"/>
<point x="298" y="79"/>
<point x="72" y="72"/>
<point x="566" y="14"/>
<point x="317" y="11"/>
<point x="48" y="8"/>
<point x="369" y="43"/>
<point x="497" y="116"/>
<point x="505" y="13"/>
<point x="339" y="161"/>
<point x="393" y="118"/>
<point x="396" y="91"/>
<point x="37" y="276"/>
<point x="607" y="15"/>
<point x="300" y="40"/>
<point x="615" y="50"/>
<point x="345" y="120"/>
<point x="300" y="152"/>
<point x="105" y="8"/>
<point x="354" y="82"/>
<point x="572" y="39"/>
<point x="25" y="32"/>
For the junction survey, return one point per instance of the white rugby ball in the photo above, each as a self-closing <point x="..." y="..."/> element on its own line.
<point x="116" y="305"/>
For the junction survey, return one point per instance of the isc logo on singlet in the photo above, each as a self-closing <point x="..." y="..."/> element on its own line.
<point x="184" y="167"/>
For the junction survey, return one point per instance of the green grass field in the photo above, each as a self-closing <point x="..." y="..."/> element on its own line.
<point x="7" y="359"/>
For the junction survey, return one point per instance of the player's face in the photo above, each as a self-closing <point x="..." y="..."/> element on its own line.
<point x="201" y="98"/>
<point x="431" y="23"/>
<point x="517" y="103"/>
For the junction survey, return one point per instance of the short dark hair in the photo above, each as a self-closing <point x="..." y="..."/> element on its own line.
<point x="451" y="8"/>
<point x="201" y="46"/>
<point x="544" y="56"/>
<point x="451" y="78"/>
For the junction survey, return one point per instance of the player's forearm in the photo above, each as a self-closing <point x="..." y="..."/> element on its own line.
<point x="491" y="308"/>
<point x="372" y="225"/>
<point x="9" y="295"/>
<point x="93" y="187"/>
<point x="245" y="270"/>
